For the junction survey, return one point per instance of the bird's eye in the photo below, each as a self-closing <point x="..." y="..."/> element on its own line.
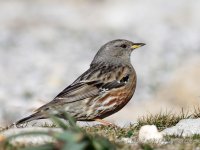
<point x="123" y="46"/>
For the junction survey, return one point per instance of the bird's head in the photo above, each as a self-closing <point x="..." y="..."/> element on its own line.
<point x="116" y="51"/>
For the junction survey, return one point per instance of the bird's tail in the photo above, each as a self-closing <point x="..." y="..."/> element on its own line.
<point x="35" y="116"/>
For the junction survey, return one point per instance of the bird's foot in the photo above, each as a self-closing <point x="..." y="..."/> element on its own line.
<point x="106" y="123"/>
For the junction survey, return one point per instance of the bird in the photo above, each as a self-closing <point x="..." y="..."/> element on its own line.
<point x="104" y="89"/>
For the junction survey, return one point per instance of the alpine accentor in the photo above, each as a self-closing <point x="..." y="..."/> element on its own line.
<point x="105" y="88"/>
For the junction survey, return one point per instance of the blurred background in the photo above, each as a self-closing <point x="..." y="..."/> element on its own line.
<point x="46" y="44"/>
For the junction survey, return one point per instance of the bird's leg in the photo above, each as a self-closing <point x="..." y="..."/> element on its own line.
<point x="104" y="122"/>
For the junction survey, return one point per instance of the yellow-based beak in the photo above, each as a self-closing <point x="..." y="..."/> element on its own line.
<point x="137" y="45"/>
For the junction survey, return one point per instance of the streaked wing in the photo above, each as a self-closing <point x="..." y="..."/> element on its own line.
<point x="86" y="87"/>
<point x="79" y="91"/>
<point x="75" y="92"/>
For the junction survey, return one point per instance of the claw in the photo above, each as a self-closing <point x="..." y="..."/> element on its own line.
<point x="106" y="123"/>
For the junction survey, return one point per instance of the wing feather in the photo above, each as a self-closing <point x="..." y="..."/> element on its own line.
<point x="82" y="89"/>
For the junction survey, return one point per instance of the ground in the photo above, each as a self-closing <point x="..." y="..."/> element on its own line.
<point x="111" y="137"/>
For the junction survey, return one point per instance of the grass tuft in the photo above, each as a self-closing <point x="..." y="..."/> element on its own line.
<point x="113" y="133"/>
<point x="162" y="120"/>
<point x="196" y="113"/>
<point x="196" y="136"/>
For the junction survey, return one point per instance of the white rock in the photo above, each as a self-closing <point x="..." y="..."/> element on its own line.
<point x="184" y="128"/>
<point x="149" y="133"/>
<point x="29" y="139"/>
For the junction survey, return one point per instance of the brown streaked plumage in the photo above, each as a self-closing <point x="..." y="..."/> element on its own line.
<point x="105" y="88"/>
